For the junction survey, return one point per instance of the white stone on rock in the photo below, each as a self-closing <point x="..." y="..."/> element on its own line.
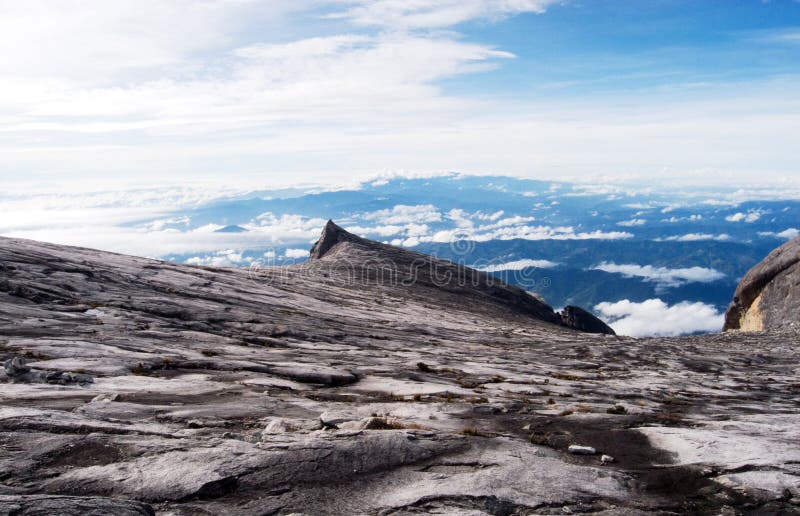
<point x="278" y="426"/>
<point x="577" y="449"/>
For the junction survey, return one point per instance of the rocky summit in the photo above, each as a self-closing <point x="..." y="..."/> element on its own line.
<point x="373" y="380"/>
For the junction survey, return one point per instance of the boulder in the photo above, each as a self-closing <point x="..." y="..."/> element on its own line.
<point x="17" y="371"/>
<point x="16" y="366"/>
<point x="768" y="297"/>
<point x="279" y="426"/>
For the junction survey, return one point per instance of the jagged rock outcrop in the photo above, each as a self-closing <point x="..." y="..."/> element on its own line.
<point x="453" y="284"/>
<point x="768" y="297"/>
<point x="579" y="319"/>
<point x="324" y="388"/>
<point x="330" y="237"/>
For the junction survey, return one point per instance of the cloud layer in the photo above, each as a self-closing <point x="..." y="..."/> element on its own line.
<point x="663" y="276"/>
<point x="518" y="265"/>
<point x="655" y="318"/>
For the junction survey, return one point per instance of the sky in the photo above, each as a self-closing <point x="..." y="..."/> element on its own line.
<point x="239" y="93"/>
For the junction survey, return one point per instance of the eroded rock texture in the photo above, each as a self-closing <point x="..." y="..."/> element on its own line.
<point x="363" y="382"/>
<point x="768" y="297"/>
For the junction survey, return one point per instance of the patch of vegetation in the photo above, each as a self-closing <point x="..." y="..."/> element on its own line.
<point x="541" y="439"/>
<point x="551" y="401"/>
<point x="469" y="384"/>
<point x="425" y="368"/>
<point x="417" y="397"/>
<point x="381" y="423"/>
<point x="209" y="353"/>
<point x="140" y="370"/>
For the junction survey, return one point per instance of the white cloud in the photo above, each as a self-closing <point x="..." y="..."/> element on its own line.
<point x="296" y="253"/>
<point x="655" y="318"/>
<point x="663" y="276"/>
<point x="691" y="218"/>
<point x="787" y="234"/>
<point x="750" y="216"/>
<point x="516" y="220"/>
<point x="97" y="42"/>
<point x="519" y="265"/>
<point x="403" y="214"/>
<point x="226" y="258"/>
<point x="179" y="88"/>
<point x="408" y="242"/>
<point x="428" y="14"/>
<point x="694" y="237"/>
<point x="381" y="231"/>
<point x="489" y="216"/>
<point x="523" y="232"/>
<point x="286" y="226"/>
<point x="632" y="223"/>
<point x="107" y="222"/>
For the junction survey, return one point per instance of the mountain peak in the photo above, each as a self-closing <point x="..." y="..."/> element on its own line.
<point x="447" y="283"/>
<point x="331" y="235"/>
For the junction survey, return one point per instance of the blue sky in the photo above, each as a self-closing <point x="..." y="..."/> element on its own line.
<point x="267" y="93"/>
<point x="603" y="46"/>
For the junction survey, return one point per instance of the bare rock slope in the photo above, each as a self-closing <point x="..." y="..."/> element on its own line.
<point x="768" y="297"/>
<point x="368" y="380"/>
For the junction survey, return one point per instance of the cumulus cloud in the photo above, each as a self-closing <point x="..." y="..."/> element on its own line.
<point x="786" y="234"/>
<point x="518" y="265"/>
<point x="750" y="216"/>
<point x="489" y="216"/>
<point x="691" y="218"/>
<point x="655" y="318"/>
<point x="404" y="214"/>
<point x="664" y="277"/>
<point x="296" y="253"/>
<point x="226" y="258"/>
<point x="632" y="223"/>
